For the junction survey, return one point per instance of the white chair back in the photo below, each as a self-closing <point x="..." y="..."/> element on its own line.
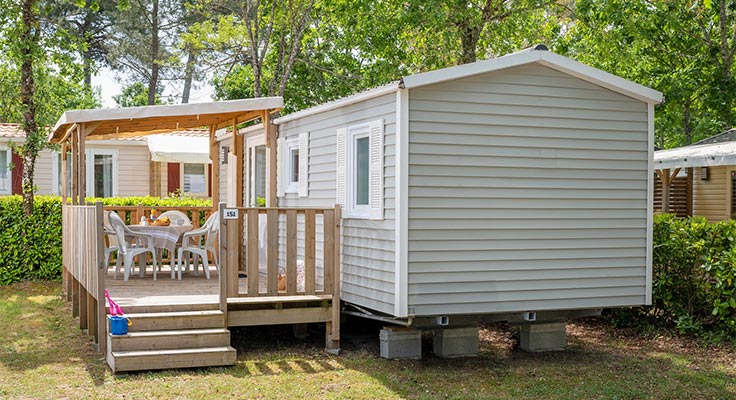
<point x="175" y="216"/>
<point x="118" y="226"/>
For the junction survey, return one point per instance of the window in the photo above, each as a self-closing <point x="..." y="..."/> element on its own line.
<point x="194" y="179"/>
<point x="359" y="170"/>
<point x="6" y="177"/>
<point x="358" y="162"/>
<point x="102" y="173"/>
<point x="291" y="166"/>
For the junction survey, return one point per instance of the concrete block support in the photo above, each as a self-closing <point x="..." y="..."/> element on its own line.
<point x="543" y="337"/>
<point x="400" y="342"/>
<point x="458" y="342"/>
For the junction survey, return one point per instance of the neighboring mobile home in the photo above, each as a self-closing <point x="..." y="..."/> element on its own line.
<point x="118" y="167"/>
<point x="707" y="172"/>
<point x="511" y="186"/>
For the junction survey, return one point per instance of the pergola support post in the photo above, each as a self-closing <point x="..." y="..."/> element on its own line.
<point x="666" y="178"/>
<point x="82" y="165"/>
<point x="214" y="157"/>
<point x="271" y="133"/>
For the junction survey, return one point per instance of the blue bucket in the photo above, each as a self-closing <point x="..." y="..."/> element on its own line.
<point x="119" y="325"/>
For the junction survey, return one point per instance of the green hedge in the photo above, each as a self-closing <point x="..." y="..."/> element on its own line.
<point x="30" y="248"/>
<point x="694" y="279"/>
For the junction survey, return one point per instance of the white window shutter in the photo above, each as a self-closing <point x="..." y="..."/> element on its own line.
<point x="279" y="167"/>
<point x="340" y="167"/>
<point x="304" y="164"/>
<point x="376" y="169"/>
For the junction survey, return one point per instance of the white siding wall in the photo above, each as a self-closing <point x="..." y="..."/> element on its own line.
<point x="222" y="186"/>
<point x="527" y="191"/>
<point x="710" y="197"/>
<point x="42" y="176"/>
<point x="134" y="167"/>
<point x="368" y="245"/>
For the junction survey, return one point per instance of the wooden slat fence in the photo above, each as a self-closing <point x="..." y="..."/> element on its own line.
<point x="678" y="196"/>
<point x="259" y="300"/>
<point x="84" y="267"/>
<point x="287" y="220"/>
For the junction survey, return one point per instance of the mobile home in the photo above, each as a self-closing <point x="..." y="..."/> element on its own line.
<point x="509" y="187"/>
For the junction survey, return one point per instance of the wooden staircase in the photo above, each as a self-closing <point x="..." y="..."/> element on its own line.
<point x="171" y="337"/>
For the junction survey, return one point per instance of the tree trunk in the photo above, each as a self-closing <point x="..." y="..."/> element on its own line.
<point x="87" y="51"/>
<point x="28" y="40"/>
<point x="188" y="75"/>
<point x="469" y="36"/>
<point x="686" y="122"/>
<point x="153" y="82"/>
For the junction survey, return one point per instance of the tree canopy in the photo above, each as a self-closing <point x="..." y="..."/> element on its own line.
<point x="313" y="51"/>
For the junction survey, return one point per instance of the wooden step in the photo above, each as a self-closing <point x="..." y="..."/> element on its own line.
<point x="173" y="339"/>
<point x="121" y="361"/>
<point x="165" y="321"/>
<point x="158" y="308"/>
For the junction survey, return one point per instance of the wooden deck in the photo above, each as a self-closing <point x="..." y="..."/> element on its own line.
<point x="138" y="293"/>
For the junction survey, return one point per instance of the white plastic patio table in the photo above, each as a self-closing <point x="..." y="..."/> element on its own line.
<point x="164" y="237"/>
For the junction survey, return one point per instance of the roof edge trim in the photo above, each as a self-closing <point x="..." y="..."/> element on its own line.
<point x="342" y="102"/>
<point x="546" y="58"/>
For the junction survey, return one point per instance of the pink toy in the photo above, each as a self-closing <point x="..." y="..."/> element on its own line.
<point x="114" y="307"/>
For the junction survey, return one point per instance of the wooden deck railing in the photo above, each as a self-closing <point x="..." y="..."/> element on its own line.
<point x="259" y="288"/>
<point x="281" y="224"/>
<point x="83" y="267"/>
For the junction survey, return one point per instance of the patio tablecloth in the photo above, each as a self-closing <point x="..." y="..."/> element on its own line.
<point x="164" y="237"/>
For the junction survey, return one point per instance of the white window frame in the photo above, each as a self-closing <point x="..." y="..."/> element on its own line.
<point x="90" y="169"/>
<point x="290" y="186"/>
<point x="354" y="210"/>
<point x="9" y="160"/>
<point x="206" y="180"/>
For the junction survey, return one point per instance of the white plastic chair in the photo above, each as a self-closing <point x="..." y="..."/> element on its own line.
<point x="113" y="246"/>
<point x="175" y="216"/>
<point x="142" y="244"/>
<point x="198" y="242"/>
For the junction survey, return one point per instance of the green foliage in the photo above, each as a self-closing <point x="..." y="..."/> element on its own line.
<point x="37" y="253"/>
<point x="694" y="279"/>
<point x="135" y="95"/>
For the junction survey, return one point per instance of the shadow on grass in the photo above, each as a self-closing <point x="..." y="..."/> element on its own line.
<point x="584" y="370"/>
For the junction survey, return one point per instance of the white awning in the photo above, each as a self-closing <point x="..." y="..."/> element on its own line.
<point x="179" y="149"/>
<point x="706" y="155"/>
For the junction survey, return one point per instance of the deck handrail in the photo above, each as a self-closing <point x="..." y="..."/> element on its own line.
<point x="247" y="217"/>
<point x="247" y="223"/>
<point x="83" y="267"/>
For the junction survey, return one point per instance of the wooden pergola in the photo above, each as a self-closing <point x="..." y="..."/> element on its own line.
<point x="76" y="127"/>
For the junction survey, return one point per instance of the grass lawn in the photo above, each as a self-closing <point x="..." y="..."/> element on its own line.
<point x="43" y="355"/>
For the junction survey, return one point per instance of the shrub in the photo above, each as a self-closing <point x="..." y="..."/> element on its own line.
<point x="30" y="248"/>
<point x="694" y="279"/>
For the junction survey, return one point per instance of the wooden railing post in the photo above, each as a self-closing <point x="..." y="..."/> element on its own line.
<point x="333" y="327"/>
<point x="224" y="259"/>
<point x="272" y="251"/>
<point x="251" y="252"/>
<point x="101" y="312"/>
<point x="233" y="249"/>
